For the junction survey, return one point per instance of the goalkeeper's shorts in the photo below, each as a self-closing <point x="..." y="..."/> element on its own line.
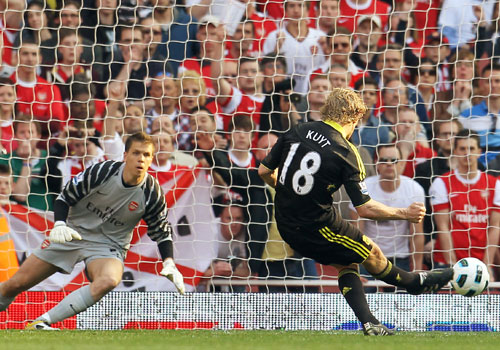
<point x="340" y="243"/>
<point x="66" y="255"/>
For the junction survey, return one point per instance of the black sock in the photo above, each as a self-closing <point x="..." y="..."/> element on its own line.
<point x="400" y="278"/>
<point x="351" y="288"/>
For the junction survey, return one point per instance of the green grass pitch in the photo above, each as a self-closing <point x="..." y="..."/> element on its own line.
<point x="238" y="340"/>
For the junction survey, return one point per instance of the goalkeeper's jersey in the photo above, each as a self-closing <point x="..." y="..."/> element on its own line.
<point x="104" y="210"/>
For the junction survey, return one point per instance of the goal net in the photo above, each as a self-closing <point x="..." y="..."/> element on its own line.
<point x="216" y="83"/>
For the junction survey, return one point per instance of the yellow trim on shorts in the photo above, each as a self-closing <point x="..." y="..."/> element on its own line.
<point x="347" y="242"/>
<point x="352" y="241"/>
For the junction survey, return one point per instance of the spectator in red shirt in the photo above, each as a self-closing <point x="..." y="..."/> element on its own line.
<point x="11" y="16"/>
<point x="7" y="101"/>
<point x="210" y="31"/>
<point x="402" y="28"/>
<point x="350" y="10"/>
<point x="262" y="25"/>
<point x="68" y="65"/>
<point x="466" y="205"/>
<point x="426" y="14"/>
<point x="36" y="97"/>
<point x="247" y="99"/>
<point x="85" y="111"/>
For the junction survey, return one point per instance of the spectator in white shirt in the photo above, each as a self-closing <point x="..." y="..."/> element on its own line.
<point x="298" y="43"/>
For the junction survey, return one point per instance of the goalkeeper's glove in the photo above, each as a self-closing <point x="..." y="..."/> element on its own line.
<point x="62" y="233"/>
<point x="171" y="272"/>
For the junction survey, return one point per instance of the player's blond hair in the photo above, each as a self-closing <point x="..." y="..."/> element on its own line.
<point x="343" y="106"/>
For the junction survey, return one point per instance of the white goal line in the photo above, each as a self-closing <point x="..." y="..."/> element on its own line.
<point x="300" y="283"/>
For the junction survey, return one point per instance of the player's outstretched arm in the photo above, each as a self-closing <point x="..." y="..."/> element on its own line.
<point x="377" y="211"/>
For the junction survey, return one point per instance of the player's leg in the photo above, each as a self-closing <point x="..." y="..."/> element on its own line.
<point x="30" y="273"/>
<point x="415" y="283"/>
<point x="105" y="274"/>
<point x="352" y="289"/>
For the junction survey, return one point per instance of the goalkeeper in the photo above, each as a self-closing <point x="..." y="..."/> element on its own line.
<point x="95" y="215"/>
<point x="306" y="166"/>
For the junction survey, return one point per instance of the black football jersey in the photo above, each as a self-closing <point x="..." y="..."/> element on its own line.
<point x="315" y="159"/>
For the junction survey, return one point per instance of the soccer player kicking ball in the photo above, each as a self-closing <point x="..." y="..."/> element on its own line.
<point x="306" y="166"/>
<point x="95" y="215"/>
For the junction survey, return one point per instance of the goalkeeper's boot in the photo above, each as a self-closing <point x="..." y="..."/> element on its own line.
<point x="433" y="281"/>
<point x="376" y="329"/>
<point x="39" y="325"/>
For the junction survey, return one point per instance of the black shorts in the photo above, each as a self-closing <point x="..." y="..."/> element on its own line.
<point x="339" y="243"/>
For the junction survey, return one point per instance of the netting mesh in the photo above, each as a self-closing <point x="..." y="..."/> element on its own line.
<point x="78" y="77"/>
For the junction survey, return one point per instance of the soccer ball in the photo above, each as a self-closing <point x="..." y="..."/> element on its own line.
<point x="470" y="277"/>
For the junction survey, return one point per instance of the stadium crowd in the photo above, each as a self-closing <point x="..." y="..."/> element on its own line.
<point x="216" y="82"/>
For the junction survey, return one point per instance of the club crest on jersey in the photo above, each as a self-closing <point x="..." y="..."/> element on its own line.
<point x="363" y="188"/>
<point x="42" y="96"/>
<point x="485" y="194"/>
<point x="45" y="244"/>
<point x="77" y="178"/>
<point x="132" y="206"/>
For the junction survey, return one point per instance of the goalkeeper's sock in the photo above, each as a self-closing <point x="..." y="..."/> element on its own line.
<point x="400" y="278"/>
<point x="351" y="288"/>
<point x="5" y="302"/>
<point x="73" y="304"/>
